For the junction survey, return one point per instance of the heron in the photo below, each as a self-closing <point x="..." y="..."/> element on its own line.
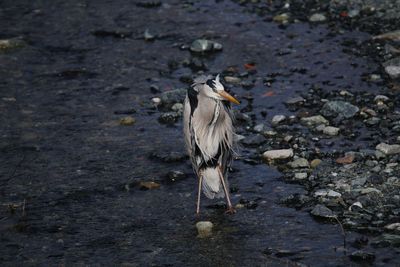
<point x="209" y="136"/>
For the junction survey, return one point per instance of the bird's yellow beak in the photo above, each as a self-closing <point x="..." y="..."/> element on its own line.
<point x="228" y="97"/>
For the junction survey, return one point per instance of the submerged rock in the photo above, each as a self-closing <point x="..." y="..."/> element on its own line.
<point x="339" y="109"/>
<point x="204" y="229"/>
<point x="278" y="154"/>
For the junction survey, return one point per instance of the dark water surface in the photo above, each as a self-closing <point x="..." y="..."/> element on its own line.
<point x="64" y="153"/>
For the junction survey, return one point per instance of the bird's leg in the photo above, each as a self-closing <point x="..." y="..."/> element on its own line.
<point x="230" y="209"/>
<point x="199" y="193"/>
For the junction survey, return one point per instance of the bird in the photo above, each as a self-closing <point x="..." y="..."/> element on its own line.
<point x="209" y="136"/>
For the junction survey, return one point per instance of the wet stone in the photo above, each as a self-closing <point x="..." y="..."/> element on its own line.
<point x="295" y="100"/>
<point x="360" y="255"/>
<point x="314" y="120"/>
<point x="315" y="162"/>
<point x="393" y="71"/>
<point x="388" y="149"/>
<point x="327" y="193"/>
<point x="278" y="119"/>
<point x="321" y="211"/>
<point x="330" y="130"/>
<point x="295" y="200"/>
<point x="300" y="175"/>
<point x="317" y="17"/>
<point x="299" y="163"/>
<point x="340" y="109"/>
<point x="278" y="154"/>
<point x="203" y="45"/>
<point x="169" y="98"/>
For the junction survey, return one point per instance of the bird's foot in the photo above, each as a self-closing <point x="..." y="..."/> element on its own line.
<point x="230" y="210"/>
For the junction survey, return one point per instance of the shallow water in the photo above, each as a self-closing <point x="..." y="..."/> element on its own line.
<point x="64" y="153"/>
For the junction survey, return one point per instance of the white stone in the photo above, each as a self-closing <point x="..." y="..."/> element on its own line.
<point x="278" y="154"/>
<point x="388" y="149"/>
<point x="393" y="71"/>
<point x="278" y="119"/>
<point x="204" y="228"/>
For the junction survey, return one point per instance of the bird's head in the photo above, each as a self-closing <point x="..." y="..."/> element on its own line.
<point x="213" y="88"/>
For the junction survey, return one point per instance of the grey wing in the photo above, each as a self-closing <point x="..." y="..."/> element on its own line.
<point x="188" y="131"/>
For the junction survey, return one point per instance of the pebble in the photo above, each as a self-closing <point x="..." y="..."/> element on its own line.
<point x="314" y="120"/>
<point x="204" y="229"/>
<point x="278" y="119"/>
<point x="295" y="100"/>
<point x="358" y="181"/>
<point x="282" y="18"/>
<point x="278" y="154"/>
<point x="315" y="162"/>
<point x="326" y="193"/>
<point x="126" y="121"/>
<point x="346" y="159"/>
<point x="299" y="163"/>
<point x="388" y="149"/>
<point x="317" y="17"/>
<point x="330" y="130"/>
<point x="339" y="109"/>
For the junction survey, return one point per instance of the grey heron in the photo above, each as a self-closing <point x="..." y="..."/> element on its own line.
<point x="209" y="136"/>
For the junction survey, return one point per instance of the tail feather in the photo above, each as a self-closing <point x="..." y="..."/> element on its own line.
<point x="211" y="185"/>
